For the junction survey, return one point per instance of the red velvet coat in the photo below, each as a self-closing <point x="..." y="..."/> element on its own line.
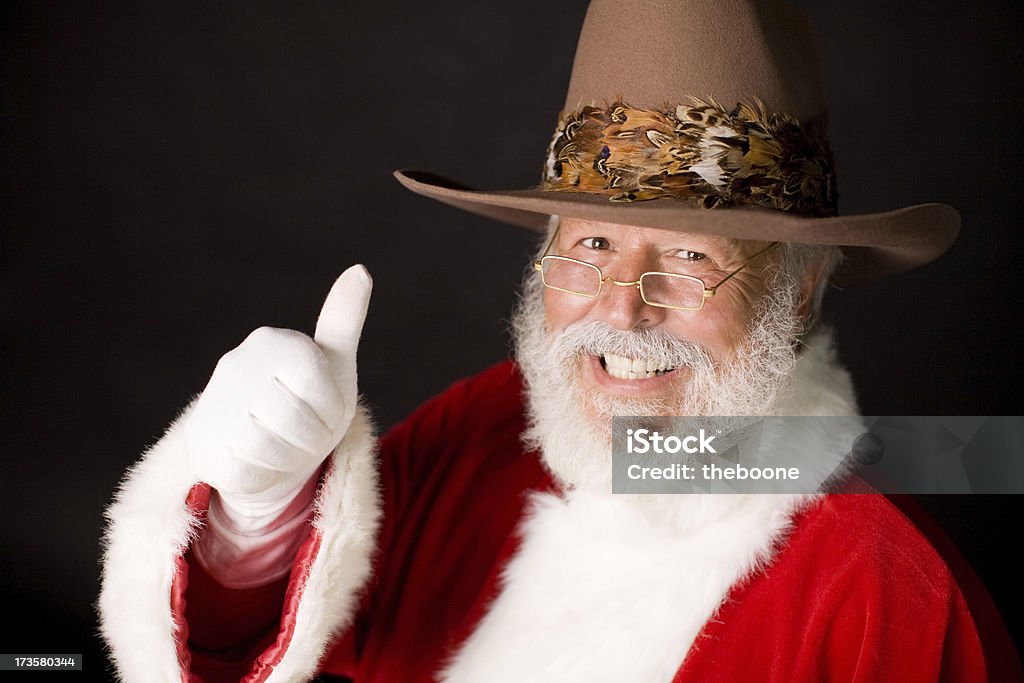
<point x="856" y="593"/>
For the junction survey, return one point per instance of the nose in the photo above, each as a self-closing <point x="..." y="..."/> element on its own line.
<point x="620" y="304"/>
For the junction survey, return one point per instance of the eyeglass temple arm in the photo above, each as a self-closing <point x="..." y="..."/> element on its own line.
<point x="710" y="291"/>
<point x="536" y="264"/>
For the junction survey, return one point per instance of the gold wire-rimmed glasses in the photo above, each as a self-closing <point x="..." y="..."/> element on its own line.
<point x="663" y="290"/>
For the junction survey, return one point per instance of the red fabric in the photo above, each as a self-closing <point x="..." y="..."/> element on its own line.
<point x="197" y="502"/>
<point x="228" y="626"/>
<point x="1000" y="653"/>
<point x="856" y="593"/>
<point x="454" y="477"/>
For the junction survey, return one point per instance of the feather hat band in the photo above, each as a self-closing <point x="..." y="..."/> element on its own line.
<point x="707" y="116"/>
<point x="700" y="152"/>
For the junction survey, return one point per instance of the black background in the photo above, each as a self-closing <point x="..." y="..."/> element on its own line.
<point x="174" y="177"/>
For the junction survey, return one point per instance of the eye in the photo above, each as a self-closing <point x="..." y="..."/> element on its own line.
<point x="596" y="243"/>
<point x="690" y="256"/>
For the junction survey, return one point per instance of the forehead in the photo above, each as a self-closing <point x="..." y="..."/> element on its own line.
<point x="639" y="236"/>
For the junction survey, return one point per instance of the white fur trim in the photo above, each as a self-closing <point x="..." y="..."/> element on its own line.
<point x="150" y="527"/>
<point x="612" y="588"/>
<point x="600" y="591"/>
<point x="821" y="385"/>
<point x="348" y="511"/>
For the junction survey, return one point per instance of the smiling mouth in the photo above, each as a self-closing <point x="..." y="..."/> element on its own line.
<point x="621" y="367"/>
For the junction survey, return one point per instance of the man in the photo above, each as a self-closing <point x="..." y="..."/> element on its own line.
<point x="688" y="244"/>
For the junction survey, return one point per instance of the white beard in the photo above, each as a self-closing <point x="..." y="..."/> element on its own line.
<point x="571" y="426"/>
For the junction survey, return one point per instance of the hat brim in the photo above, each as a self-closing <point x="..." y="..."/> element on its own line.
<point x="875" y="244"/>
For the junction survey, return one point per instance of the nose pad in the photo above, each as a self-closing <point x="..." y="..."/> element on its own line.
<point x="623" y="307"/>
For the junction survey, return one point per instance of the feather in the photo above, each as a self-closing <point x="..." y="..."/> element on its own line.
<point x="699" y="151"/>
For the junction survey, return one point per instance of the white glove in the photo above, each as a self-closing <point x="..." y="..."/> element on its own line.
<point x="277" y="406"/>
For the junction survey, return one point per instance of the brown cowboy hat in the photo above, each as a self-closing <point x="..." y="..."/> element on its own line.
<point x="703" y="116"/>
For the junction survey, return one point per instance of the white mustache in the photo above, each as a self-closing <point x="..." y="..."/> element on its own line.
<point x="599" y="338"/>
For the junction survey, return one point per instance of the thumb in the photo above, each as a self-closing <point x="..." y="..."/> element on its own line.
<point x="341" y="320"/>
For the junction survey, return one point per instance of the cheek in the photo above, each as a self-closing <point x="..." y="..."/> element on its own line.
<point x="721" y="326"/>
<point x="562" y="309"/>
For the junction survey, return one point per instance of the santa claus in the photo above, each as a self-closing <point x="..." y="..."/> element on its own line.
<point x="688" y="211"/>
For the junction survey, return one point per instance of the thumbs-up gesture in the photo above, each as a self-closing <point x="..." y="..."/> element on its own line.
<point x="278" y="404"/>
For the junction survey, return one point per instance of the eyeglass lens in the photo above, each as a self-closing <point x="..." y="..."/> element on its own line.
<point x="672" y="290"/>
<point x="571" y="276"/>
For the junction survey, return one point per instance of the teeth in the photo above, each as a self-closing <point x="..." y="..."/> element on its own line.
<point x="621" y="367"/>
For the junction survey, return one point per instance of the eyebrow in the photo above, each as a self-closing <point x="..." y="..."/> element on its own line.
<point x="727" y="248"/>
